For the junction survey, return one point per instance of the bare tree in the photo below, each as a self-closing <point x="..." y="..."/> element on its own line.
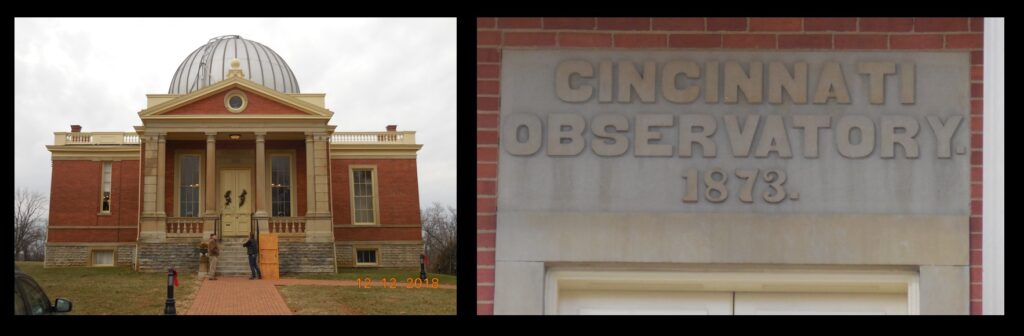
<point x="440" y="239"/>
<point x="37" y="250"/>
<point x="29" y="225"/>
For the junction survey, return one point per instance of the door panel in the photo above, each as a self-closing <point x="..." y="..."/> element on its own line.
<point x="596" y="302"/>
<point x="820" y="304"/>
<point x="237" y="198"/>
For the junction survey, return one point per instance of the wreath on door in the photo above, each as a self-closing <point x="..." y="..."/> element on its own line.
<point x="227" y="198"/>
<point x="241" y="198"/>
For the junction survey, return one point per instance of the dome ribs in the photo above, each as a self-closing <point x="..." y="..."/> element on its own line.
<point x="201" y="69"/>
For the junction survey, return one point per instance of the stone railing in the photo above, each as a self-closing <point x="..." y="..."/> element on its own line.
<point x="287" y="225"/>
<point x="95" y="138"/>
<point x="373" y="138"/>
<point x="184" y="226"/>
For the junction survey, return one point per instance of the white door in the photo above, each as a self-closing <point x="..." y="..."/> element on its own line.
<point x="617" y="302"/>
<point x="237" y="201"/>
<point x="610" y="302"/>
<point x="820" y="304"/>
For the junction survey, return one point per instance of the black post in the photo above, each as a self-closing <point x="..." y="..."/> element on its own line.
<point x="423" y="271"/>
<point x="169" y="306"/>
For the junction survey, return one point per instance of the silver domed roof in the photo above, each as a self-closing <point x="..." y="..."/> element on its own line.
<point x="210" y="64"/>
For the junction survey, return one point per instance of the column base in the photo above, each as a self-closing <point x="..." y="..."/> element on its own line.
<point x="318" y="229"/>
<point x="209" y="224"/>
<point x="153" y="228"/>
<point x="262" y="221"/>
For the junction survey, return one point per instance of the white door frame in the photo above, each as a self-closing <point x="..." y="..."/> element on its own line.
<point x="993" y="144"/>
<point x="777" y="281"/>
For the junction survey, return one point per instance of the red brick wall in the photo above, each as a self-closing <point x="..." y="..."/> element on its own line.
<point x="398" y="196"/>
<point x="494" y="34"/>
<point x="75" y="201"/>
<point x="215" y="105"/>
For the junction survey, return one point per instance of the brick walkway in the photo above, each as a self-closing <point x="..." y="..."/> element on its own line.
<point x="241" y="296"/>
<point x="287" y="282"/>
<point x="238" y="296"/>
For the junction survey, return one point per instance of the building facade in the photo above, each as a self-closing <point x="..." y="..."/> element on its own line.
<point x="729" y="165"/>
<point x="234" y="148"/>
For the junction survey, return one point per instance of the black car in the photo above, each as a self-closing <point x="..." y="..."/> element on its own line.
<point x="29" y="298"/>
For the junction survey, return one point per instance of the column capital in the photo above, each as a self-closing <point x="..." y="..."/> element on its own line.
<point x="208" y="133"/>
<point x="259" y="133"/>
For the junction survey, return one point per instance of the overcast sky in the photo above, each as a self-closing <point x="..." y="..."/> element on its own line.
<point x="375" y="72"/>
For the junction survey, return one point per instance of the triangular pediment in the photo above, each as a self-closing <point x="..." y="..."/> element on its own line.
<point x="258" y="102"/>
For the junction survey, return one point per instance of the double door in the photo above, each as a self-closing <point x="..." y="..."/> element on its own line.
<point x="618" y="302"/>
<point x="236" y="201"/>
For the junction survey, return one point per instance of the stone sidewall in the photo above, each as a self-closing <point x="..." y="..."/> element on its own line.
<point x="125" y="255"/>
<point x="157" y="257"/>
<point x="390" y="255"/>
<point x="72" y="255"/>
<point x="303" y="257"/>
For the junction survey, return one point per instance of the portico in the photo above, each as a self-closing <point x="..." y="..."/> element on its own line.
<point x="186" y="158"/>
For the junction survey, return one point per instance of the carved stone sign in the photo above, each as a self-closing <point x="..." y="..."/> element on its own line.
<point x="735" y="132"/>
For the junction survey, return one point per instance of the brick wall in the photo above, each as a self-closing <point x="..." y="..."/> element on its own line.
<point x="215" y="105"/>
<point x="398" y="196"/>
<point x="827" y="34"/>
<point x="75" y="201"/>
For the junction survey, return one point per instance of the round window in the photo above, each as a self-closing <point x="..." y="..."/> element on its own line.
<point x="235" y="101"/>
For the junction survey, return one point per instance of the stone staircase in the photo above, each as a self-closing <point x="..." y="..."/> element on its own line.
<point x="233" y="259"/>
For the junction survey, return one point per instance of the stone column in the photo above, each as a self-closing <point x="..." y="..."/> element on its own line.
<point x="310" y="196"/>
<point x="261" y="182"/>
<point x="152" y="224"/>
<point x="321" y="173"/>
<point x="161" y="174"/>
<point x="318" y="221"/>
<point x="210" y="186"/>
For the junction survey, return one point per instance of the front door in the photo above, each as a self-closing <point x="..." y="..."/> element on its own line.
<point x="236" y="200"/>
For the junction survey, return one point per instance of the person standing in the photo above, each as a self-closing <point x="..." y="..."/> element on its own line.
<point x="214" y="252"/>
<point x="252" y="249"/>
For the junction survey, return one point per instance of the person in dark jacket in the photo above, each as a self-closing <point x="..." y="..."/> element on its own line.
<point x="252" y="249"/>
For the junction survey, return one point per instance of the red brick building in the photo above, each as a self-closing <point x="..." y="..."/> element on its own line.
<point x="497" y="38"/>
<point x="234" y="147"/>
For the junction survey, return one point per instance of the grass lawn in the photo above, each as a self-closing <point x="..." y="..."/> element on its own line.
<point x="375" y="274"/>
<point x="351" y="300"/>
<point x="111" y="290"/>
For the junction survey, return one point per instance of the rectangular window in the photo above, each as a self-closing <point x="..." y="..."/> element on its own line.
<point x="280" y="185"/>
<point x="103" y="258"/>
<point x="188" y="186"/>
<point x="362" y="191"/>
<point x="105" y="202"/>
<point x="366" y="257"/>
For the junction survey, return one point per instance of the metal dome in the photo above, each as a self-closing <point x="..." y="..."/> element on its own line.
<point x="210" y="64"/>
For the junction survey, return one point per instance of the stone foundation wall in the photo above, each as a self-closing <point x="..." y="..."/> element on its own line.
<point x="125" y="256"/>
<point x="157" y="257"/>
<point x="58" y="256"/>
<point x="390" y="254"/>
<point x="303" y="257"/>
<point x="78" y="255"/>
